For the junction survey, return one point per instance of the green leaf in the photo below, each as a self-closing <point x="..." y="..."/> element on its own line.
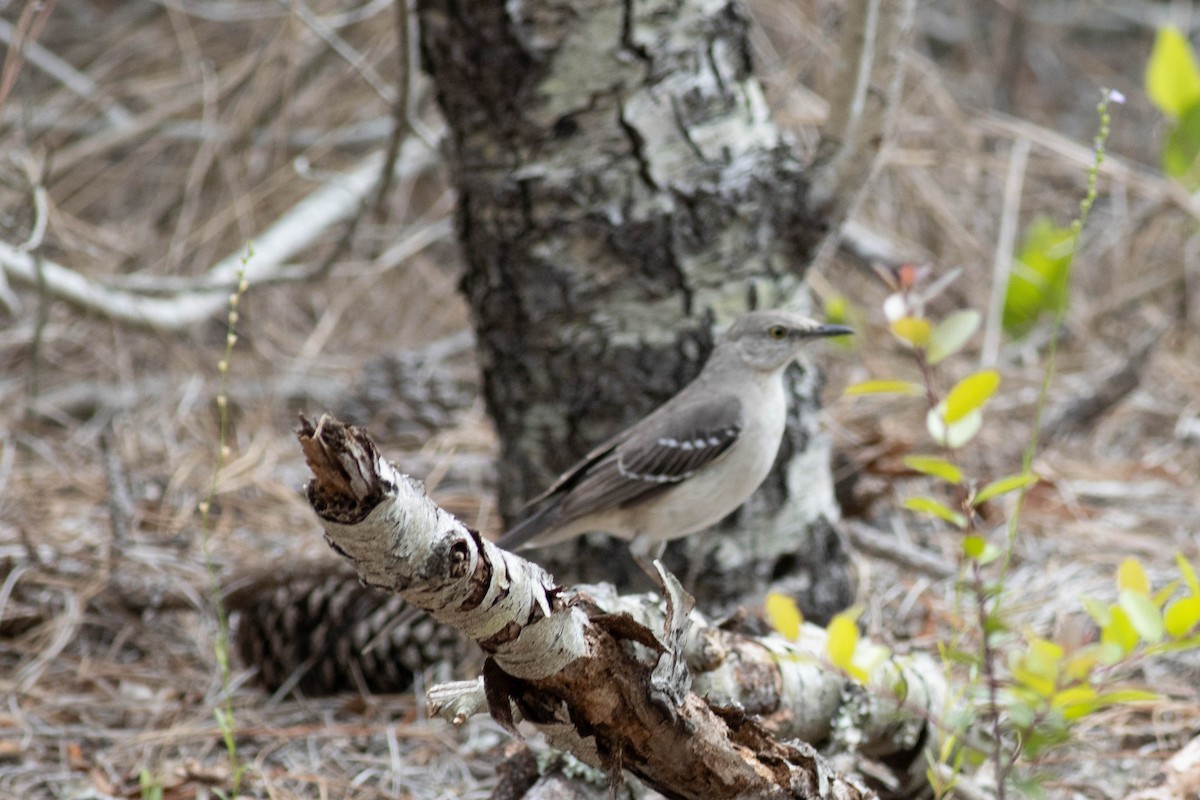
<point x="951" y="334"/>
<point x="1110" y="653"/>
<point x="1182" y="616"/>
<point x="934" y="466"/>
<point x="1080" y="701"/>
<point x="784" y="615"/>
<point x="1119" y="631"/>
<point x="1131" y="576"/>
<point x="842" y="641"/>
<point x="152" y="788"/>
<point x="1037" y="669"/>
<point x="1029" y="787"/>
<point x="973" y="546"/>
<point x="1143" y="616"/>
<point x="977" y="548"/>
<point x="1080" y="664"/>
<point x="994" y="625"/>
<point x="1182" y="147"/>
<point x="1022" y="714"/>
<point x="1041" y="687"/>
<point x="1100" y="613"/>
<point x="883" y="387"/>
<point x="927" y="505"/>
<point x="970" y="394"/>
<point x="1172" y="77"/>
<point x="1189" y="574"/>
<point x="1005" y="485"/>
<point x="1164" y="594"/>
<point x="1128" y="696"/>
<point x="914" y="330"/>
<point x="1075" y="701"/>
<point x="1045" y="656"/>
<point x="956" y="435"/>
<point x="1039" y="280"/>
<point x="838" y="310"/>
<point x="957" y="656"/>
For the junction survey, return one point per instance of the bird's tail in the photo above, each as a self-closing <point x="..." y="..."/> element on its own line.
<point x="528" y="529"/>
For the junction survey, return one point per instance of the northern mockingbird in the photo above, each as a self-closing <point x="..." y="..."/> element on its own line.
<point x="689" y="463"/>
<point x="692" y="461"/>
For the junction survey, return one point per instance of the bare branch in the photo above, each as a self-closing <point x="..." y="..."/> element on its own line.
<point x="335" y="200"/>
<point x="588" y="668"/>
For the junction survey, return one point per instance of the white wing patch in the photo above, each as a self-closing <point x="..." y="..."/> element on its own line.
<point x="672" y="460"/>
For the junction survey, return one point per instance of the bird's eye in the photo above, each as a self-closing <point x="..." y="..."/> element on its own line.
<point x="777" y="332"/>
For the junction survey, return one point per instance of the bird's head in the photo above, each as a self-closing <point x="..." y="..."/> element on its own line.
<point x="770" y="340"/>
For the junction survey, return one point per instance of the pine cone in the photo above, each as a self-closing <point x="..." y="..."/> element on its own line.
<point x="411" y="395"/>
<point x="318" y="619"/>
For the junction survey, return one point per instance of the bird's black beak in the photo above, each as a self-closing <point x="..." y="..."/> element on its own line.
<point x="831" y="330"/>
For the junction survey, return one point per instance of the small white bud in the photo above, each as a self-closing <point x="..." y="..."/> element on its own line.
<point x="895" y="307"/>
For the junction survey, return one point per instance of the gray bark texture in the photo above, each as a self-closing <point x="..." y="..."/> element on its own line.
<point x="623" y="193"/>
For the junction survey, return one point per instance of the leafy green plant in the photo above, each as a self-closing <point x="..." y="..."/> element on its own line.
<point x="1173" y="85"/>
<point x="1038" y="284"/>
<point x="1024" y="693"/>
<point x="151" y="787"/>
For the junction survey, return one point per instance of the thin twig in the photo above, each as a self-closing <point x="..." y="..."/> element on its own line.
<point x="116" y="115"/>
<point x="1005" y="239"/>
<point x="33" y="19"/>
<point x="869" y="540"/>
<point x="37" y="193"/>
<point x="119" y="500"/>
<point x="400" y="124"/>
<point x="337" y="44"/>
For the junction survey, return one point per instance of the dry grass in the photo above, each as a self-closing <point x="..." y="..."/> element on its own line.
<point x="199" y="130"/>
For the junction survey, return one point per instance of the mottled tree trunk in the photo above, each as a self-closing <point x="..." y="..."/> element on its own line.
<point x="622" y="193"/>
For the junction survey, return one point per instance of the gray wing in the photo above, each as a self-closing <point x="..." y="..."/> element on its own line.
<point x="666" y="448"/>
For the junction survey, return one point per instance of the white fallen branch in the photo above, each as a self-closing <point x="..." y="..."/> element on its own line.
<point x="620" y="682"/>
<point x="335" y="200"/>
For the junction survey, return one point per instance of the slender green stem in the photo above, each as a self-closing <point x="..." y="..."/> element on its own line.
<point x="224" y="713"/>
<point x="1085" y="206"/>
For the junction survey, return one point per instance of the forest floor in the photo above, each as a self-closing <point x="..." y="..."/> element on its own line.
<point x="171" y="134"/>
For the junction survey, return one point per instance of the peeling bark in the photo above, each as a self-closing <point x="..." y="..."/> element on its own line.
<point x="587" y="667"/>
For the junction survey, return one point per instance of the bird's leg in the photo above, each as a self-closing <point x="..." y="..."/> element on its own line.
<point x="645" y="552"/>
